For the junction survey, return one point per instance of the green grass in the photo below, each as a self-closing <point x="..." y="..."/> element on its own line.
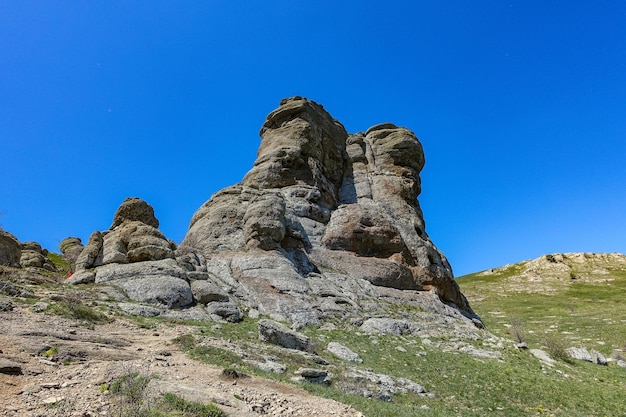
<point x="514" y="385"/>
<point x="59" y="262"/>
<point x="582" y="313"/>
<point x="76" y="310"/>
<point x="178" y="406"/>
<point x="132" y="400"/>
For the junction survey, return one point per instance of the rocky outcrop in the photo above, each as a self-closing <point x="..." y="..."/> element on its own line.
<point x="325" y="225"/>
<point x="549" y="273"/>
<point x="133" y="237"/>
<point x="10" y="249"/>
<point x="281" y="335"/>
<point x="34" y="256"/>
<point x="135" y="256"/>
<point x="323" y="222"/>
<point x="71" y="248"/>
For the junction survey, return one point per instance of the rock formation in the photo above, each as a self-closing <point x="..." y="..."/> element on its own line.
<point x="325" y="224"/>
<point x="33" y="255"/>
<point x="71" y="247"/>
<point x="321" y="214"/>
<point x="10" y="249"/>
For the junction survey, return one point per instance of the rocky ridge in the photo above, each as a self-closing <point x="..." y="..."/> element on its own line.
<point x="550" y="272"/>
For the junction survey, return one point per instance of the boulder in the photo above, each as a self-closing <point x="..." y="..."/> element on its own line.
<point x="313" y="376"/>
<point x="583" y="354"/>
<point x="134" y="209"/>
<point x="205" y="292"/>
<point x="224" y="311"/>
<point x="71" y="247"/>
<point x="281" y="335"/>
<point x="158" y="282"/>
<point x="10" y="249"/>
<point x="342" y="352"/>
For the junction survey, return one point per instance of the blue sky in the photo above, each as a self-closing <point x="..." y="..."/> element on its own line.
<point x="520" y="107"/>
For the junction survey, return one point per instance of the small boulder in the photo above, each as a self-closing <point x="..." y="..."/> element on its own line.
<point x="206" y="292"/>
<point x="134" y="209"/>
<point x="314" y="376"/>
<point x="342" y="352"/>
<point x="8" y="367"/>
<point x="224" y="311"/>
<point x="281" y="335"/>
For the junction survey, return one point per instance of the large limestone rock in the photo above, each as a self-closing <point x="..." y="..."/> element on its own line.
<point x="34" y="256"/>
<point x="324" y="223"/>
<point x="135" y="256"/>
<point x="133" y="237"/>
<point x="10" y="249"/>
<point x="71" y="248"/>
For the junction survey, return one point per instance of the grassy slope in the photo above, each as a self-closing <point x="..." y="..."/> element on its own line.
<point x="583" y="313"/>
<point x="588" y="313"/>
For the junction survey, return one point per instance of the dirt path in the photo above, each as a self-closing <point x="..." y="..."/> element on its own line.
<point x="86" y="360"/>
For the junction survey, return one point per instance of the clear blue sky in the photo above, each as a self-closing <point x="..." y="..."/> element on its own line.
<point x="520" y="106"/>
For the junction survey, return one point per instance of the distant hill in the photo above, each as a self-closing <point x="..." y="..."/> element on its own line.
<point x="577" y="296"/>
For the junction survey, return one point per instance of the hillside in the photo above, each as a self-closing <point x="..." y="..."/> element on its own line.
<point x="578" y="296"/>
<point x="67" y="350"/>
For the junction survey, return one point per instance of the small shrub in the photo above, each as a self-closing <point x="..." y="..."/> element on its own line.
<point x="518" y="330"/>
<point x="54" y="350"/>
<point x="557" y="348"/>
<point x="186" y="341"/>
<point x="174" y="403"/>
<point x="130" y="386"/>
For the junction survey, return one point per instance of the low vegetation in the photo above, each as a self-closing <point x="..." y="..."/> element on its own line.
<point x="134" y="400"/>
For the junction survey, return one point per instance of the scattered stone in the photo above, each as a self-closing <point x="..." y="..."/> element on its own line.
<point x="389" y="326"/>
<point x="229" y="312"/>
<point x="8" y="367"/>
<point x="53" y="400"/>
<point x="281" y="335"/>
<point x="5" y="304"/>
<point x="40" y="306"/>
<point x="543" y="356"/>
<point x="314" y="376"/>
<point x="588" y="356"/>
<point x="342" y="352"/>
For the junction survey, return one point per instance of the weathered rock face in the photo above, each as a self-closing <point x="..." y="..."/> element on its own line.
<point x="133" y="237"/>
<point x="10" y="249"/>
<point x="71" y="247"/>
<point x="33" y="255"/>
<point x="137" y="257"/>
<point x="323" y="221"/>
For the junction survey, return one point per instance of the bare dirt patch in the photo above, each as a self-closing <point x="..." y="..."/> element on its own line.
<point x="64" y="370"/>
